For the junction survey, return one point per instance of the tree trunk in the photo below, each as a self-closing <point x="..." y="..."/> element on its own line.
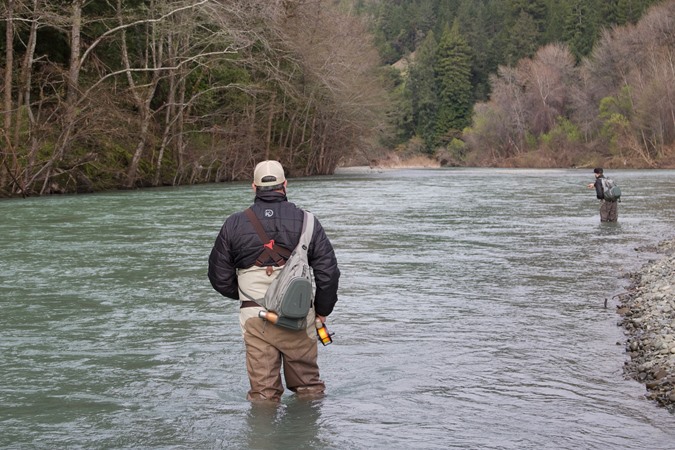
<point x="169" y="112"/>
<point x="270" y="119"/>
<point x="75" y="48"/>
<point x="72" y="94"/>
<point x="24" y="98"/>
<point x="9" y="66"/>
<point x="142" y="103"/>
<point x="180" y="124"/>
<point x="7" y="106"/>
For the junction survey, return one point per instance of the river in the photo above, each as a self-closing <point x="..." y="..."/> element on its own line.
<point x="471" y="315"/>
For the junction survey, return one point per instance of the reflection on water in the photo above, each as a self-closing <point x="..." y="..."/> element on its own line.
<point x="293" y="424"/>
<point x="471" y="315"/>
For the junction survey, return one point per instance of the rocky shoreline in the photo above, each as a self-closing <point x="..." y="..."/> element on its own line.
<point x="647" y="312"/>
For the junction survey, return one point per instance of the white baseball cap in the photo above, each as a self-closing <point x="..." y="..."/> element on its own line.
<point x="268" y="173"/>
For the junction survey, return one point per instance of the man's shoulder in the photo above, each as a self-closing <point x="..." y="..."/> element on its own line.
<point x="237" y="215"/>
<point x="235" y="218"/>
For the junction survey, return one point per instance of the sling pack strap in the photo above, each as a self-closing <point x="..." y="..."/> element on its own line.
<point x="278" y="253"/>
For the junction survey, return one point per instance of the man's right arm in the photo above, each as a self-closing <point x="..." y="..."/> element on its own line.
<point x="222" y="273"/>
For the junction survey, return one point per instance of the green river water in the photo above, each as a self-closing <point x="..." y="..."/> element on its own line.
<point x="471" y="315"/>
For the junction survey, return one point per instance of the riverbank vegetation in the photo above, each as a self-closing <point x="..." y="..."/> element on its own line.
<point x="104" y="94"/>
<point x="127" y="93"/>
<point x="550" y="83"/>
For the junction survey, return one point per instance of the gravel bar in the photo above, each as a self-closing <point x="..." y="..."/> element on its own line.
<point x="647" y="313"/>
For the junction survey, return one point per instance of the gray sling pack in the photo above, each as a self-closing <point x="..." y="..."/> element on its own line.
<point x="291" y="293"/>
<point x="611" y="191"/>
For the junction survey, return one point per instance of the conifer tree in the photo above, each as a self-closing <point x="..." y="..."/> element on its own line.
<point x="422" y="90"/>
<point x="479" y="30"/>
<point x="581" y="26"/>
<point x="607" y="10"/>
<point x="453" y="79"/>
<point x="627" y="11"/>
<point x="520" y="40"/>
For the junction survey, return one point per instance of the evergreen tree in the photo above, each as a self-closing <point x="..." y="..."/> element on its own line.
<point x="393" y="31"/>
<point x="423" y="17"/>
<point x="476" y="26"/>
<point x="628" y="11"/>
<point x="607" y="12"/>
<point x="453" y="79"/>
<point x="536" y="9"/>
<point x="521" y="40"/>
<point x="557" y="11"/>
<point x="422" y="90"/>
<point x="447" y="12"/>
<point x="496" y="18"/>
<point x="581" y="26"/>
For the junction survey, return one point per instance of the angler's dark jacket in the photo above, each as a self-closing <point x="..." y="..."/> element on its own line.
<point x="599" y="190"/>
<point x="238" y="246"/>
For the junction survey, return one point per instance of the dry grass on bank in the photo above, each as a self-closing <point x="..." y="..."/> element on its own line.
<point x="580" y="157"/>
<point x="393" y="161"/>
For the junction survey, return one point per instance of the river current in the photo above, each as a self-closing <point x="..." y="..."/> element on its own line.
<point x="477" y="311"/>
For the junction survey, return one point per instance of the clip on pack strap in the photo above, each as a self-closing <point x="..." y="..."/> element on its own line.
<point x="278" y="254"/>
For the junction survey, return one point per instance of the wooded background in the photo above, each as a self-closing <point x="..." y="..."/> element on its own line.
<point x="102" y="94"/>
<point x="532" y="83"/>
<point x="124" y="93"/>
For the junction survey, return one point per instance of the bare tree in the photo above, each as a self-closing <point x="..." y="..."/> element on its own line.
<point x="549" y="76"/>
<point x="339" y="88"/>
<point x="638" y="60"/>
<point x="142" y="95"/>
<point x="7" y="98"/>
<point x="509" y="100"/>
<point x="213" y="87"/>
<point x="68" y="123"/>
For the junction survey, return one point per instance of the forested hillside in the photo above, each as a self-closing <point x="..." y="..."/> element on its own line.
<point x="531" y="82"/>
<point x="101" y="94"/>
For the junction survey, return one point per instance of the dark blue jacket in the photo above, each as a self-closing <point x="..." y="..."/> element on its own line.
<point x="238" y="246"/>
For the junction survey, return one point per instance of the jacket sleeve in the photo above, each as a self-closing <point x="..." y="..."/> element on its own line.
<point x="222" y="272"/>
<point x="326" y="273"/>
<point x="599" y="192"/>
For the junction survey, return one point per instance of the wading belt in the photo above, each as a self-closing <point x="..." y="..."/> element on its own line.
<point x="278" y="253"/>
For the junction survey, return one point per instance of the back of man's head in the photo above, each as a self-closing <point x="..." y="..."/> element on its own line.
<point x="598" y="170"/>
<point x="269" y="176"/>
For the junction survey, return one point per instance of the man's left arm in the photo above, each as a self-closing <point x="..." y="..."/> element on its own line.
<point x="222" y="273"/>
<point x="326" y="272"/>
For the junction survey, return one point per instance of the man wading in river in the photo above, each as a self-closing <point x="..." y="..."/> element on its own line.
<point x="241" y="267"/>
<point x="609" y="210"/>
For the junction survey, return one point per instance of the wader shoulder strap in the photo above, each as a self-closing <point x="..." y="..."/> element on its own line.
<point x="278" y="253"/>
